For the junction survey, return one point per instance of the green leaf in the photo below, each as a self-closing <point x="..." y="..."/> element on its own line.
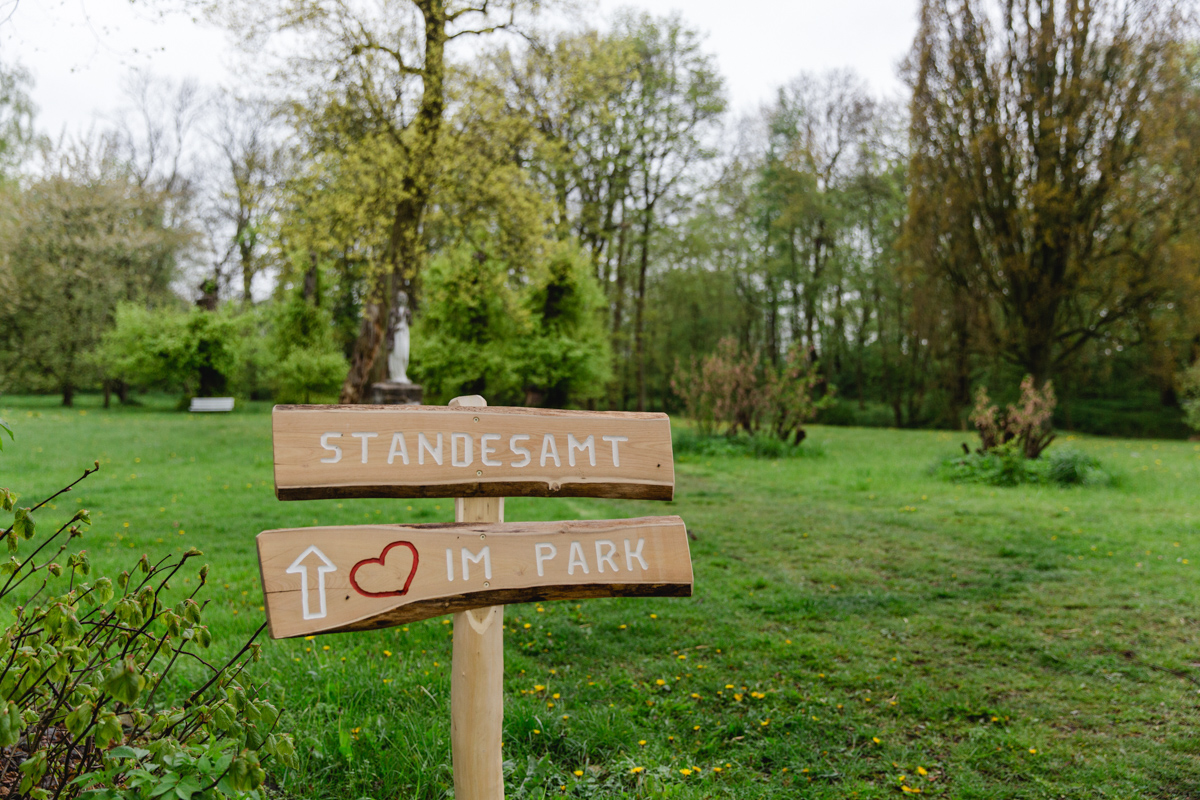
<point x="108" y="729"/>
<point x="203" y="636"/>
<point x="7" y="499"/>
<point x="79" y="719"/>
<point x="103" y="590"/>
<point x="5" y="429"/>
<point x="129" y="612"/>
<point x="166" y="783"/>
<point x="23" y="524"/>
<point x="10" y="725"/>
<point x="123" y="683"/>
<point x="187" y="787"/>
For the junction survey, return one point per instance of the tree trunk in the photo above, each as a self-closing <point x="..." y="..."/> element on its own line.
<point x="618" y="306"/>
<point x="311" y="281"/>
<point x="640" y="309"/>
<point x="68" y="394"/>
<point x="403" y="262"/>
<point x="246" y="253"/>
<point x="366" y="349"/>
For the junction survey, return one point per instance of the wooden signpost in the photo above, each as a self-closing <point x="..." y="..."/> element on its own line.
<point x="362" y="577"/>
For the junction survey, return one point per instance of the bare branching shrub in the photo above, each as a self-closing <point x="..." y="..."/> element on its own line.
<point x="722" y="391"/>
<point x="729" y="391"/>
<point x="1028" y="423"/>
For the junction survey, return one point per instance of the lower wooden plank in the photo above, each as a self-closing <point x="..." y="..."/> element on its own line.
<point x="348" y="578"/>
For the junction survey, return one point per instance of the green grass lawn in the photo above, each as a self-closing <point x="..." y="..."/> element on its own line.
<point x="857" y="626"/>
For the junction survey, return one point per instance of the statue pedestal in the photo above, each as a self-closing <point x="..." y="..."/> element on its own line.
<point x="396" y="394"/>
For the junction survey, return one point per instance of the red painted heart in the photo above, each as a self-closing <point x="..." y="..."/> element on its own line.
<point x="381" y="562"/>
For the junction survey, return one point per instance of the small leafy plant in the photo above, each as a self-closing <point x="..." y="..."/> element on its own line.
<point x="83" y="693"/>
<point x="1006" y="465"/>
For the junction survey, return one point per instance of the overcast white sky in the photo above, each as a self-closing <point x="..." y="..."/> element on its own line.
<point x="81" y="50"/>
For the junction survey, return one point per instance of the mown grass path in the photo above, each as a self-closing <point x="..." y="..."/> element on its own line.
<point x="859" y="629"/>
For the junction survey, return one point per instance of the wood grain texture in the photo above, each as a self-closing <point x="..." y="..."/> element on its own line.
<point x="646" y="556"/>
<point x="559" y="453"/>
<point x="477" y="681"/>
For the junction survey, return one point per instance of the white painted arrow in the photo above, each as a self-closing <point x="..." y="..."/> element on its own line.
<point x="298" y="568"/>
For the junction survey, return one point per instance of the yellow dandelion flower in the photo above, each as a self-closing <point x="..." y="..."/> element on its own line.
<point x="875" y="739"/>
<point x="555" y="695"/>
<point x="922" y="771"/>
<point x="387" y="653"/>
<point x="527" y="625"/>
<point x="1033" y="750"/>
<point x="695" y="727"/>
<point x="642" y="742"/>
<point x="578" y="773"/>
<point x="685" y="772"/>
<point x="660" y="682"/>
<point x="536" y="731"/>
<point x="636" y="770"/>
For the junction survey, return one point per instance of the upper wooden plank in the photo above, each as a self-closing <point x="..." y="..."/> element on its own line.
<point x="494" y="451"/>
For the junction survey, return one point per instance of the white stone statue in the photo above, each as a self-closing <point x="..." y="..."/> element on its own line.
<point x="398" y="358"/>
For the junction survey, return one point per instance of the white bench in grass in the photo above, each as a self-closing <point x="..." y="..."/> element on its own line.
<point x="211" y="404"/>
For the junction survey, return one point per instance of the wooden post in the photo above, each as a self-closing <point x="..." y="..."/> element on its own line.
<point x="477" y="674"/>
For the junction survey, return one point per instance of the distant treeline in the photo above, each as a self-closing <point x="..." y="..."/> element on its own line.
<point x="576" y="217"/>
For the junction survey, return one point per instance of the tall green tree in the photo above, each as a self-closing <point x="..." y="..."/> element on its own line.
<point x="676" y="103"/>
<point x="87" y="236"/>
<point x="373" y="83"/>
<point x="1050" y="174"/>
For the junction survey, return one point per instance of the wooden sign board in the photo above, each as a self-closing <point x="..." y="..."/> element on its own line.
<point x="362" y="577"/>
<point x="437" y="451"/>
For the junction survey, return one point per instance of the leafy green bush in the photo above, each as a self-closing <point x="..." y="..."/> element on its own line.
<point x="1006" y="465"/>
<point x="84" y="708"/>
<point x="687" y="441"/>
<point x="1190" y="384"/>
<point x="306" y="360"/>
<point x="532" y="336"/>
<point x="192" y="350"/>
